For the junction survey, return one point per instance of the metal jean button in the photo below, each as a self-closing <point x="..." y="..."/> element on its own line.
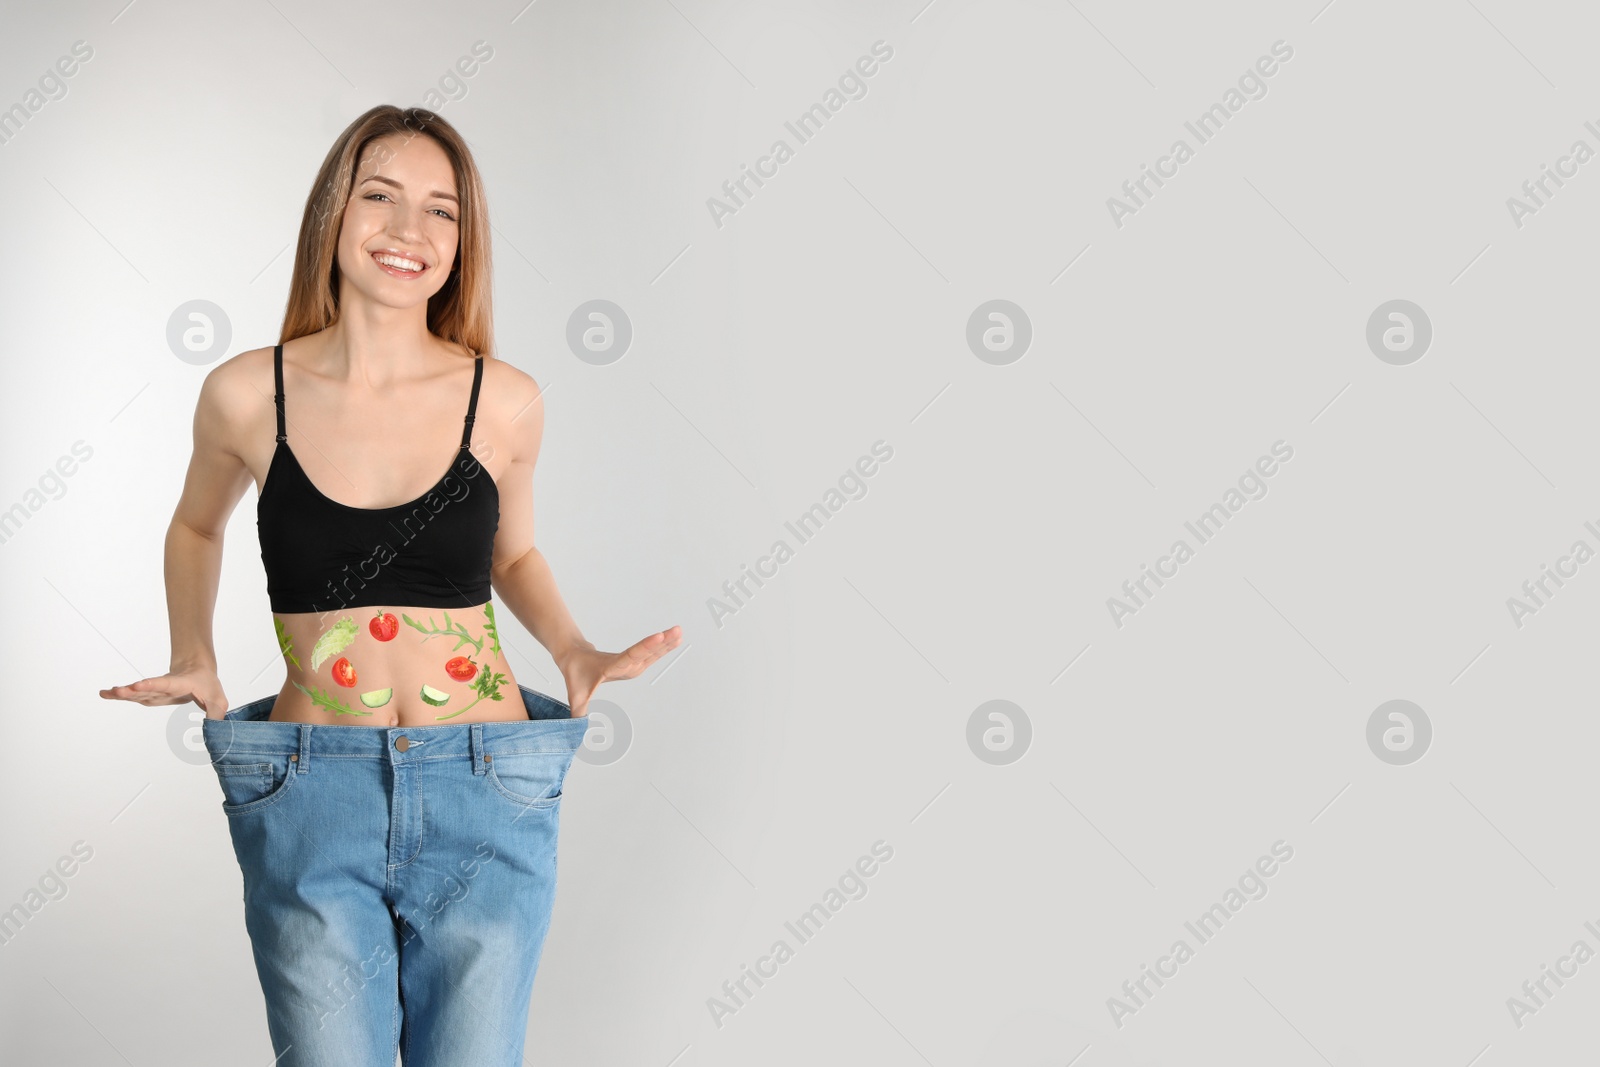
<point x="402" y="742"/>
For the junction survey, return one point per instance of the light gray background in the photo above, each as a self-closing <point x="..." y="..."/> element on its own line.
<point x="832" y="711"/>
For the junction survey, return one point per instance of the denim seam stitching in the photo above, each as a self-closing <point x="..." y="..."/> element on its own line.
<point x="242" y="768"/>
<point x="422" y="828"/>
<point x="266" y="801"/>
<point x="537" y="803"/>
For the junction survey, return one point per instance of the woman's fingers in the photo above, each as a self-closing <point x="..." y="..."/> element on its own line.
<point x="670" y="640"/>
<point x="655" y="646"/>
<point x="123" y="692"/>
<point x="618" y="666"/>
<point x="150" y="692"/>
<point x="632" y="663"/>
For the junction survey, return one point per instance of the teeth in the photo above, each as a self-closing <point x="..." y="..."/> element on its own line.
<point x="398" y="263"/>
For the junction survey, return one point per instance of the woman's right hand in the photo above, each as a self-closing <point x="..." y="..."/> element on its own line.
<point x="201" y="686"/>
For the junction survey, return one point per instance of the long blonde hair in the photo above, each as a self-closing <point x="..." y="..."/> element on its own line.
<point x="459" y="312"/>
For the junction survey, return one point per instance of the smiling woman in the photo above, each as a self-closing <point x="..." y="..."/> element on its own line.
<point x="384" y="746"/>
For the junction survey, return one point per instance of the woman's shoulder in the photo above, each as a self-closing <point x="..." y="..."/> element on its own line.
<point x="236" y="390"/>
<point x="242" y="373"/>
<point x="508" y="385"/>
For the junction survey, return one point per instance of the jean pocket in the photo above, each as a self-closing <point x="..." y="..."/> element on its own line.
<point x="529" y="779"/>
<point x="247" y="786"/>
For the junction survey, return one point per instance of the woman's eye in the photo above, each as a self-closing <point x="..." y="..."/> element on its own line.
<point x="442" y="212"/>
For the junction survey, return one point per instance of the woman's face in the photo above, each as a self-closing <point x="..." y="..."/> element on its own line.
<point x="402" y="225"/>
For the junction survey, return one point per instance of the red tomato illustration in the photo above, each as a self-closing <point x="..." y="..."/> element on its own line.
<point x="461" y="669"/>
<point x="384" y="626"/>
<point x="343" y="673"/>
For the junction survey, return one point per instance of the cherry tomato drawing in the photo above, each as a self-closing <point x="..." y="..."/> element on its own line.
<point x="384" y="626"/>
<point x="343" y="673"/>
<point x="461" y="669"/>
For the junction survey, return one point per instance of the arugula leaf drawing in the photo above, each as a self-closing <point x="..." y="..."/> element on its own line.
<point x="332" y="703"/>
<point x="451" y="629"/>
<point x="491" y="629"/>
<point x="487" y="686"/>
<point x="335" y="641"/>
<point x="285" y="642"/>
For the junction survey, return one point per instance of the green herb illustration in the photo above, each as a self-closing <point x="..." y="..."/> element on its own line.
<point x="335" y="641"/>
<point x="332" y="703"/>
<point x="490" y="628"/>
<point x="451" y="629"/>
<point x="285" y="642"/>
<point x="487" y="686"/>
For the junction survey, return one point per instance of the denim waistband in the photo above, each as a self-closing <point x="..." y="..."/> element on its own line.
<point x="246" y="730"/>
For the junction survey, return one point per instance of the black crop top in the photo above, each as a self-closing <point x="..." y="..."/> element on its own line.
<point x="321" y="555"/>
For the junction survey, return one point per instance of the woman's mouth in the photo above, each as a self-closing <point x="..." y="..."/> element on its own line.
<point x="399" y="266"/>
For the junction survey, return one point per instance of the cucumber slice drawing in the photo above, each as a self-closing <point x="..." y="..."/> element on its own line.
<point x="432" y="696"/>
<point x="377" y="698"/>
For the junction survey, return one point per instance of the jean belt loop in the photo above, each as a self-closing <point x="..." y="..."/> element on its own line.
<point x="478" y="764"/>
<point x="303" y="763"/>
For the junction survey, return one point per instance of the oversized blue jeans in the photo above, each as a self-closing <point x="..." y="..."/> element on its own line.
<point x="398" y="881"/>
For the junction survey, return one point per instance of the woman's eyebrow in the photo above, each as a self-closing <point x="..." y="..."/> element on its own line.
<point x="439" y="193"/>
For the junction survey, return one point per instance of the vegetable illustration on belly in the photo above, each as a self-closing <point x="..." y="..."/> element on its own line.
<point x="435" y="697"/>
<point x="487" y="687"/>
<point x="384" y="626"/>
<point x="335" y="641"/>
<point x="322" y="700"/>
<point x="461" y="669"/>
<point x="377" y="698"/>
<point x="451" y="629"/>
<point x="285" y="642"/>
<point x="343" y="673"/>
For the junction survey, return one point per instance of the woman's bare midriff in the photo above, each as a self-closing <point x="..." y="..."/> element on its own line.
<point x="394" y="665"/>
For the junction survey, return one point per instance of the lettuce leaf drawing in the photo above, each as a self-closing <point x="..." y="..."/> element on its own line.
<point x="285" y="642"/>
<point x="335" y="641"/>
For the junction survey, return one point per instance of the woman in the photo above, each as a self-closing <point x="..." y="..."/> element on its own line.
<point x="394" y="807"/>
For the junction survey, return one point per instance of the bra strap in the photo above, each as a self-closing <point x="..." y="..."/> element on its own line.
<point x="277" y="378"/>
<point x="472" y="405"/>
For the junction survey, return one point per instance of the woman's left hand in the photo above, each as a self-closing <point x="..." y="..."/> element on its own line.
<point x="585" y="669"/>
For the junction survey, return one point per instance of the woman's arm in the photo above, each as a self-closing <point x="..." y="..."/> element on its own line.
<point x="520" y="574"/>
<point x="216" y="480"/>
